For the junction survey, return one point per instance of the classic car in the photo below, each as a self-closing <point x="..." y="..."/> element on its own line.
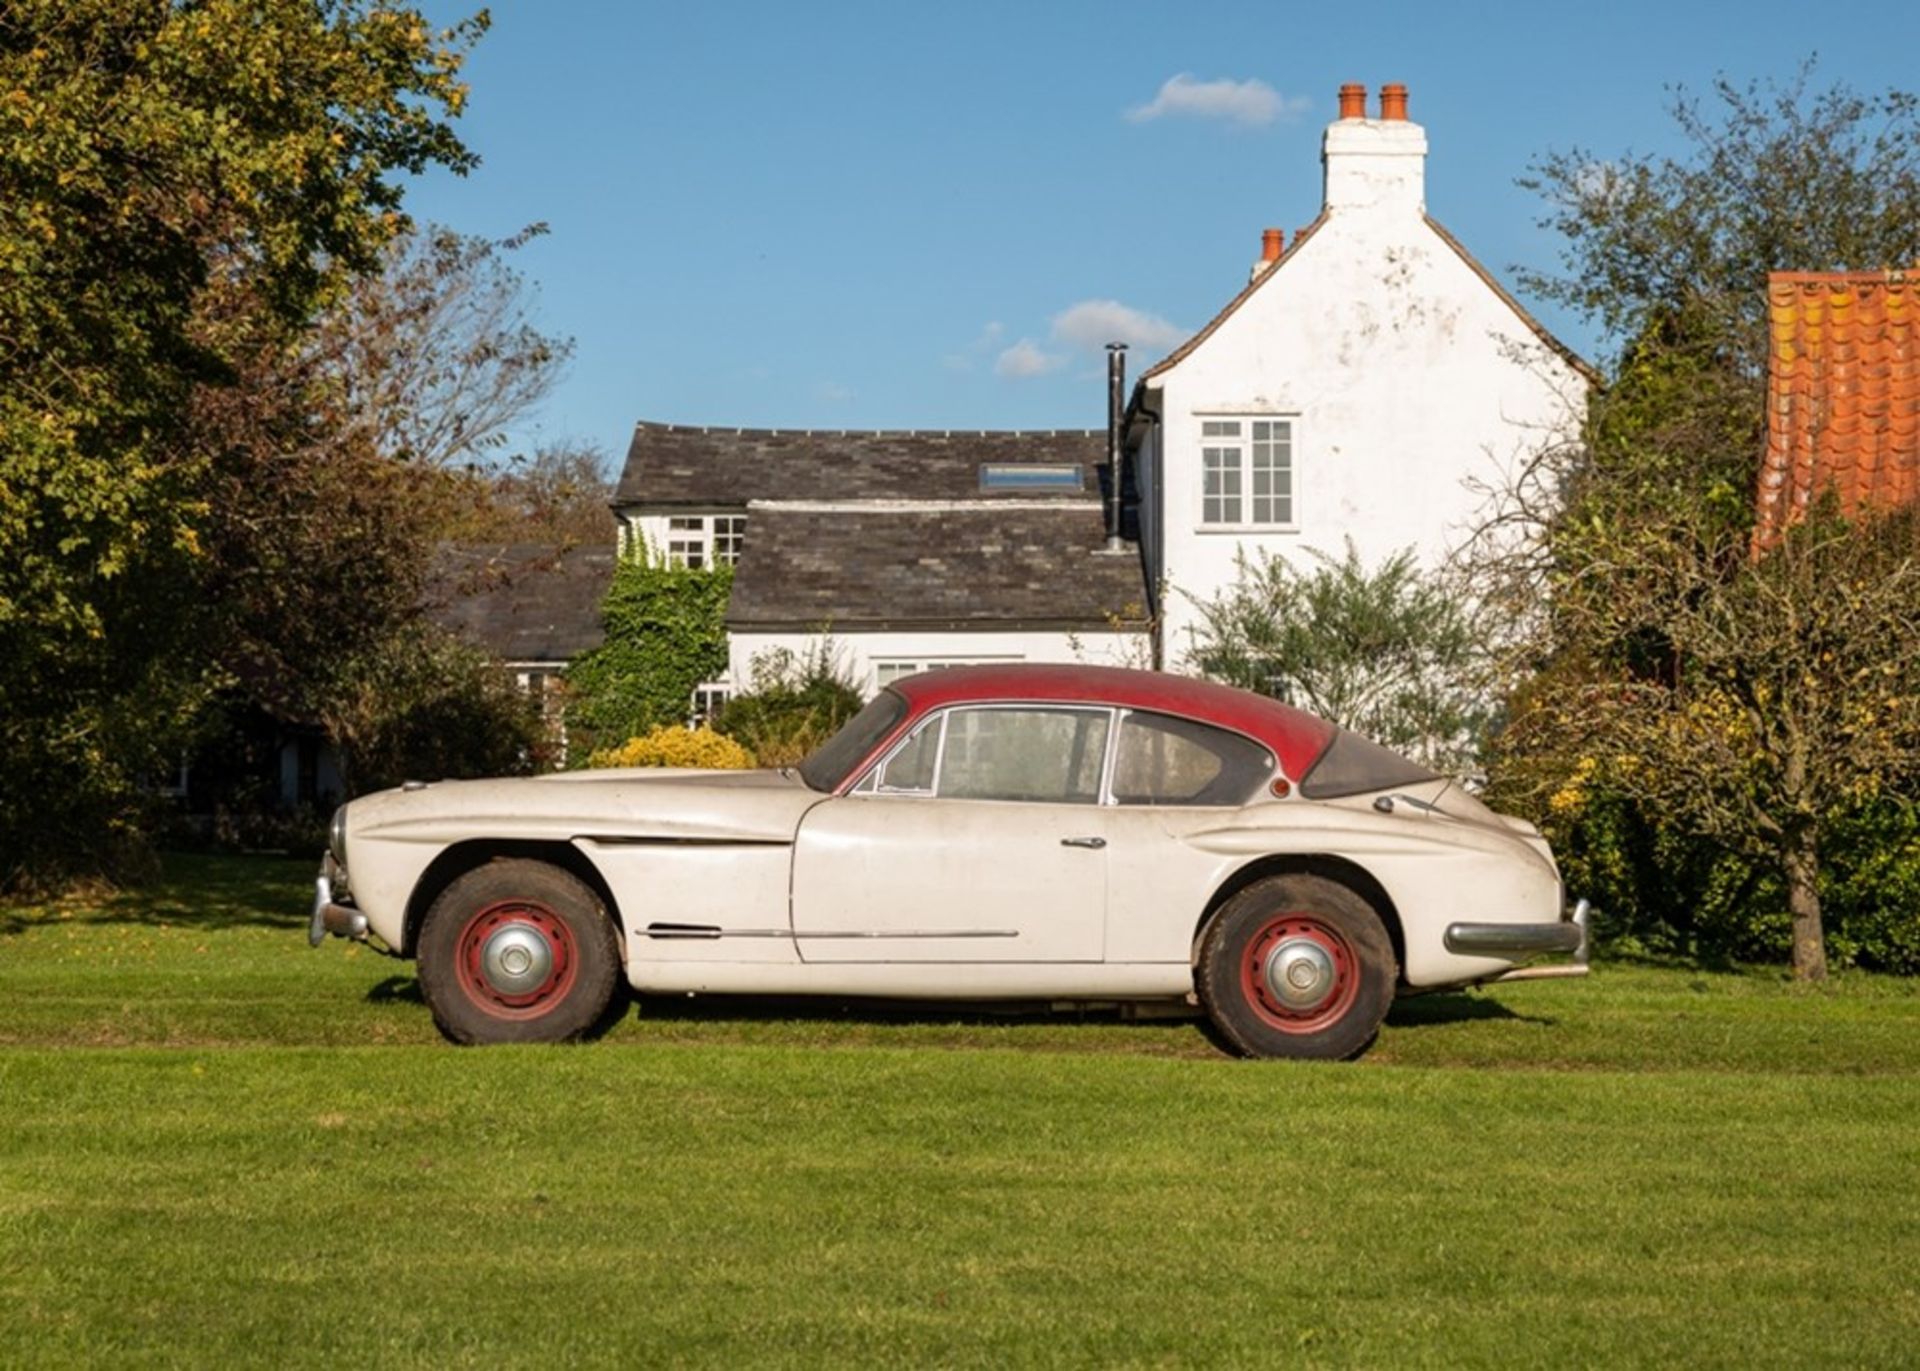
<point x="1066" y="835"/>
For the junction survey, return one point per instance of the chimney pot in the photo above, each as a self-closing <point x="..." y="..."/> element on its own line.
<point x="1353" y="101"/>
<point x="1272" y="243"/>
<point x="1393" y="102"/>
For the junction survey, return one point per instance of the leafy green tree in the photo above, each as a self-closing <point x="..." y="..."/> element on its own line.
<point x="665" y="634"/>
<point x="419" y="704"/>
<point x="1388" y="651"/>
<point x="157" y="160"/>
<point x="1752" y="702"/>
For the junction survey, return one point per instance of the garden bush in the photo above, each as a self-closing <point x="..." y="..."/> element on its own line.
<point x="677" y="746"/>
<point x="796" y="704"/>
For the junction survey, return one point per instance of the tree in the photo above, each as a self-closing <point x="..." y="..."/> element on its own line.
<point x="1757" y="700"/>
<point x="558" y="494"/>
<point x="152" y="157"/>
<point x="1387" y="651"/>
<point x="330" y="485"/>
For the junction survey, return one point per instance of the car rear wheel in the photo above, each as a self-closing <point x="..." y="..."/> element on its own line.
<point x="516" y="952"/>
<point x="1296" y="966"/>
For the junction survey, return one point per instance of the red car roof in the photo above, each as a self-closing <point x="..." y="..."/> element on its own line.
<point x="1296" y="737"/>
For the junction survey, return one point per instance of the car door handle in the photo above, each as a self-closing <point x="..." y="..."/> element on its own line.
<point x="1083" y="842"/>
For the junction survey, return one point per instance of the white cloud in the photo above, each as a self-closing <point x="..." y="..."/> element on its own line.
<point x="1241" y="102"/>
<point x="832" y="393"/>
<point x="1027" y="358"/>
<point x="1092" y="324"/>
<point x="969" y="356"/>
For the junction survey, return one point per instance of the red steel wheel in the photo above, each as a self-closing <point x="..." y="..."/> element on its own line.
<point x="519" y="951"/>
<point x="1299" y="973"/>
<point x="516" y="958"/>
<point x="1296" y="966"/>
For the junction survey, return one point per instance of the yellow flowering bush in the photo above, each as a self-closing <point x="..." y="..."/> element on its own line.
<point x="672" y="745"/>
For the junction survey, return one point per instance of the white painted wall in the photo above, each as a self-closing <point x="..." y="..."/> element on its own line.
<point x="1406" y="376"/>
<point x="857" y="654"/>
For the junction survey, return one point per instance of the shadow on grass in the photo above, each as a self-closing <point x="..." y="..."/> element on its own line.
<point x="915" y="1013"/>
<point x="397" y="990"/>
<point x="1454" y="1007"/>
<point x="194" y="890"/>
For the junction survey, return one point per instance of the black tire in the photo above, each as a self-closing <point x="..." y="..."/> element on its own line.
<point x="1333" y="942"/>
<point x="481" y="951"/>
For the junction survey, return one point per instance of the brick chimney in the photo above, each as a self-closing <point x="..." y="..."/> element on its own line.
<point x="1374" y="165"/>
<point x="1273" y="242"/>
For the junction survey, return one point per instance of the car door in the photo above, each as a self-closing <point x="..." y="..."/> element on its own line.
<point x="980" y="838"/>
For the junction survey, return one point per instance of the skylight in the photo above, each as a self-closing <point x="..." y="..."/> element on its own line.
<point x="1025" y="476"/>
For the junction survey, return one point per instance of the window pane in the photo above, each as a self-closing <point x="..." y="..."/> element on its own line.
<point x="911" y="768"/>
<point x="1167" y="761"/>
<point x="1220" y="428"/>
<point x="1045" y="755"/>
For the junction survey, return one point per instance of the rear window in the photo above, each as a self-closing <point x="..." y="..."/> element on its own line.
<point x="1354" y="765"/>
<point x="831" y="762"/>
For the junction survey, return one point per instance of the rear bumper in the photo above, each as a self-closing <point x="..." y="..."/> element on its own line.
<point x="1522" y="942"/>
<point x="330" y="917"/>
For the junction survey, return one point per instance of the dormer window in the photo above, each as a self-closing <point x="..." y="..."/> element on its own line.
<point x="702" y="540"/>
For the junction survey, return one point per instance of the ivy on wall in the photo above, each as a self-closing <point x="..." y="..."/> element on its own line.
<point x="666" y="633"/>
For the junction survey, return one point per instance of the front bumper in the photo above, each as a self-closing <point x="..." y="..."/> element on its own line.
<point x="330" y="917"/>
<point x="1522" y="942"/>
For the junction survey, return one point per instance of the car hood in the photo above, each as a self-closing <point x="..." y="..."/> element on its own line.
<point x="613" y="805"/>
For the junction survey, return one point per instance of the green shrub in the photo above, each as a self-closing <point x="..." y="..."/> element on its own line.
<point x="796" y="704"/>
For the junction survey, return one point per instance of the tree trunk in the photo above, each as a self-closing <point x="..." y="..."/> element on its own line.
<point x="1803" y="902"/>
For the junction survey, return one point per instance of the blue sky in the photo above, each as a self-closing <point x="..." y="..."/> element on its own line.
<point x="895" y="215"/>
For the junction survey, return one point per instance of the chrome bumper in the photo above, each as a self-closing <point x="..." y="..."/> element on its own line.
<point x="329" y="916"/>
<point x="1519" y="942"/>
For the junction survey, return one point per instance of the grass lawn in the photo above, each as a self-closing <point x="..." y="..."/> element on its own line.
<point x="219" y="1146"/>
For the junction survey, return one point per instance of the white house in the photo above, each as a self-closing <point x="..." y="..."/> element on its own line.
<point x="1372" y="382"/>
<point x="908" y="550"/>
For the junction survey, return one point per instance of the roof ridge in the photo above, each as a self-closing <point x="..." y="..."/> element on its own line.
<point x="1540" y="330"/>
<point x="654" y="426"/>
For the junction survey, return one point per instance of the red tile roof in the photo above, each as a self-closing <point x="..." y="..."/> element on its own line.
<point x="1843" y="394"/>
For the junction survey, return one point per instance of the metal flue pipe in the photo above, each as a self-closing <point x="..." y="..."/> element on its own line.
<point x="1116" y="415"/>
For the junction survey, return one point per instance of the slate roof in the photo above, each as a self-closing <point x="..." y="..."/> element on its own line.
<point x="523" y="602"/>
<point x="675" y="465"/>
<point x="977" y="565"/>
<point x="1843" y="394"/>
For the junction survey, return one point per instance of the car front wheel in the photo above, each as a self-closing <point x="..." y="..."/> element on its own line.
<point x="1296" y="966"/>
<point x="518" y="951"/>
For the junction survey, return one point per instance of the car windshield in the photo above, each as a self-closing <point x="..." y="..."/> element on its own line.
<point x="856" y="740"/>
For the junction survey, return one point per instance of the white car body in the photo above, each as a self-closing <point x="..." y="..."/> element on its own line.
<point x="759" y="883"/>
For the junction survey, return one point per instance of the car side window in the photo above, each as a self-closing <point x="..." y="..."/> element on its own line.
<point x="1162" y="760"/>
<point x="1036" y="753"/>
<point x="909" y="769"/>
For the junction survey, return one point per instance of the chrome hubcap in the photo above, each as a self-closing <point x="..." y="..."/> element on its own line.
<point x="516" y="959"/>
<point x="1299" y="973"/>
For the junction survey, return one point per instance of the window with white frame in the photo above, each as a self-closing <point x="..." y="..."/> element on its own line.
<point x="708" y="700"/>
<point x="699" y="540"/>
<point x="1246" y="473"/>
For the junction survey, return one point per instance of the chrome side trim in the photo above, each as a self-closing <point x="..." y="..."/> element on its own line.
<point x="712" y="931"/>
<point x="669" y="840"/>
